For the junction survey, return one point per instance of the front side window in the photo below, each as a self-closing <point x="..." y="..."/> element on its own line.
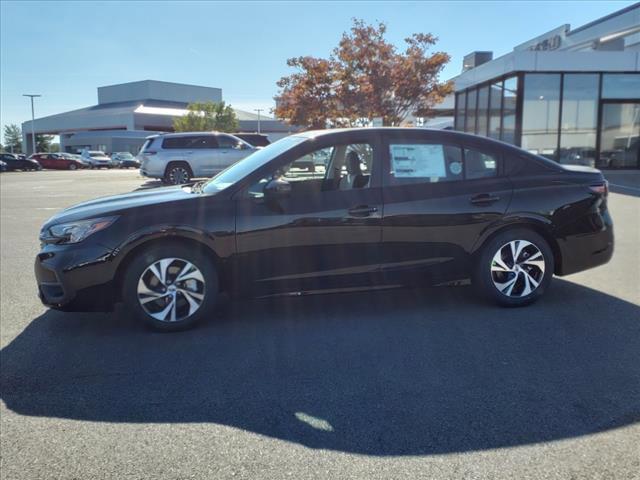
<point x="338" y="167"/>
<point x="414" y="162"/>
<point x="225" y="141"/>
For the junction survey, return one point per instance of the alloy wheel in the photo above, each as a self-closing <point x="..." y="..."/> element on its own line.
<point x="171" y="289"/>
<point x="517" y="268"/>
<point x="178" y="175"/>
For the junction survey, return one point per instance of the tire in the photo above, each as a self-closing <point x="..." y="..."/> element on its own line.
<point x="177" y="173"/>
<point x="72" y="166"/>
<point x="168" y="305"/>
<point x="498" y="280"/>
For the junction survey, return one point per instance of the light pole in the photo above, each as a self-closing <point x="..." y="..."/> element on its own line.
<point x="33" y="128"/>
<point x="258" y="110"/>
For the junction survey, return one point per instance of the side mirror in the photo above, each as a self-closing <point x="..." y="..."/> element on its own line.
<point x="277" y="189"/>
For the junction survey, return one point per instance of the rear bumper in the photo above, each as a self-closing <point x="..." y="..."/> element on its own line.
<point x="75" y="279"/>
<point x="590" y="249"/>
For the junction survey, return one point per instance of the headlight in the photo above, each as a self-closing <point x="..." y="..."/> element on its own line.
<point x="74" y="232"/>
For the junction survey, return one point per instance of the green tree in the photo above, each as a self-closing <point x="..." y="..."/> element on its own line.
<point x="13" y="138"/>
<point x="43" y="143"/>
<point x="207" y="116"/>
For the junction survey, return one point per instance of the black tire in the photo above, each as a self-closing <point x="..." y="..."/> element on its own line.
<point x="178" y="173"/>
<point x="148" y="257"/>
<point x="526" y="275"/>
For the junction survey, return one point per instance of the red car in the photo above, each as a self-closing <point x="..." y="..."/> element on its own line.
<point x="57" y="161"/>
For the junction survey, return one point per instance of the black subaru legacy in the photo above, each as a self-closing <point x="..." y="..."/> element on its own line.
<point x="391" y="206"/>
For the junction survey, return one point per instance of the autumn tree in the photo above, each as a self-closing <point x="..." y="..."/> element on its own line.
<point x="13" y="138"/>
<point x="364" y="77"/>
<point x="207" y="116"/>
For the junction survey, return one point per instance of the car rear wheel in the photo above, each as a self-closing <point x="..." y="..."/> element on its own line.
<point x="178" y="173"/>
<point x="170" y="287"/>
<point x="514" y="268"/>
<point x="72" y="166"/>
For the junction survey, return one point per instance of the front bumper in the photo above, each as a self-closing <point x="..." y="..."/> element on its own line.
<point x="75" y="278"/>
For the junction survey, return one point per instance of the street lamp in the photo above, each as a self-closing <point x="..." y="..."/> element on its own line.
<point x="258" y="110"/>
<point x="33" y="128"/>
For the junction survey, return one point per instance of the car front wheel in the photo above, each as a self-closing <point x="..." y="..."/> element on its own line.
<point x="170" y="287"/>
<point x="72" y="166"/>
<point x="514" y="268"/>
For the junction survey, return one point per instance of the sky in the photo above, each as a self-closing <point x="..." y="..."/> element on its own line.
<point x="65" y="50"/>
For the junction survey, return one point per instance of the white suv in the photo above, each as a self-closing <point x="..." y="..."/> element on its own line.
<point x="95" y="159"/>
<point x="177" y="157"/>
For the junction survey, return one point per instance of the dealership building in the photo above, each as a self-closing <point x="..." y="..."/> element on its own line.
<point x="128" y="113"/>
<point x="570" y="95"/>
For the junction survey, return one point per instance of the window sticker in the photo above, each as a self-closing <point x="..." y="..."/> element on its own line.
<point x="455" y="168"/>
<point x="418" y="161"/>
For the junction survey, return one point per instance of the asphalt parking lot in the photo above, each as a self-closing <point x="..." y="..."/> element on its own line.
<point x="424" y="383"/>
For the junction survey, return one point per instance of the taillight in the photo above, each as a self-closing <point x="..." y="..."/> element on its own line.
<point x="600" y="188"/>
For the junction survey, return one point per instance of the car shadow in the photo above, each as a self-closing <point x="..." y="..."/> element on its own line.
<point x="396" y="372"/>
<point x="149" y="184"/>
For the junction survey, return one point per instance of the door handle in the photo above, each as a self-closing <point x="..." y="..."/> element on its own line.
<point x="484" y="199"/>
<point x="362" y="211"/>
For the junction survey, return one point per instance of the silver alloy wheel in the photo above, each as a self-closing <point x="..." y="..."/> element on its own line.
<point x="178" y="175"/>
<point x="517" y="268"/>
<point x="171" y="289"/>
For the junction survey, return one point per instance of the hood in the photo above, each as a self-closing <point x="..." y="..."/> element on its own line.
<point x="113" y="205"/>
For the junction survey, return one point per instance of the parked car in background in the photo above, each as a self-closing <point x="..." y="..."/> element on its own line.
<point x="15" y="163"/>
<point x="395" y="206"/>
<point x="96" y="159"/>
<point x="124" y="160"/>
<point x="255" y="139"/>
<point x="57" y="161"/>
<point x="176" y="158"/>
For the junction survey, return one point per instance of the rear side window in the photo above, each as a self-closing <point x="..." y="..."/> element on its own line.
<point x="176" y="142"/>
<point x="478" y="164"/>
<point x="414" y="162"/>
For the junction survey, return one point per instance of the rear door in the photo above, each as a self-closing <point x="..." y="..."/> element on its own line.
<point x="439" y="196"/>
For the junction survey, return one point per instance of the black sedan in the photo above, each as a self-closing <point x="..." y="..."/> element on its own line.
<point x="15" y="163"/>
<point x="394" y="206"/>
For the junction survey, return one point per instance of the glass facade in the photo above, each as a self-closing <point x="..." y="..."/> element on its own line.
<point x="572" y="118"/>
<point x="483" y="108"/>
<point x="470" y="124"/>
<point x="620" y="136"/>
<point x="579" y="123"/>
<point x="495" y="105"/>
<point x="540" y="113"/>
<point x="509" y="106"/>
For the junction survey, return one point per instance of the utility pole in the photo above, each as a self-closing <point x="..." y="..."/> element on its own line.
<point x="258" y="110"/>
<point x="33" y="118"/>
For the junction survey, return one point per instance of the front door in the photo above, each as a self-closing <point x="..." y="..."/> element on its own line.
<point x="439" y="196"/>
<point x="326" y="234"/>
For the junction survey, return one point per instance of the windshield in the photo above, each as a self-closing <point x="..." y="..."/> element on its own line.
<point x="96" y="154"/>
<point x="125" y="156"/>
<point x="244" y="167"/>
